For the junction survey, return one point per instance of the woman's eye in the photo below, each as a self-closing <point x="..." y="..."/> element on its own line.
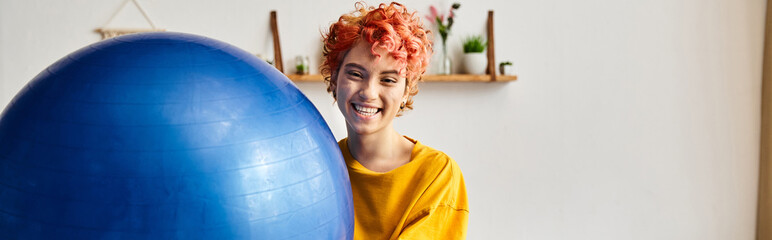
<point x="354" y="74"/>
<point x="389" y="80"/>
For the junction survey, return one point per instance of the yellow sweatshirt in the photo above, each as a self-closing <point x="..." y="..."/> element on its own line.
<point x="423" y="199"/>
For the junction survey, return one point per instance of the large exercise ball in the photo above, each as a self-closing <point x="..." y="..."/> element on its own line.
<point x="168" y="136"/>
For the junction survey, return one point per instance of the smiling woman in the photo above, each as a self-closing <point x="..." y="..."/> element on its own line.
<point x="370" y="92"/>
<point x="402" y="189"/>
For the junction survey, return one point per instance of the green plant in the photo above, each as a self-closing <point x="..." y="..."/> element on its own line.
<point x="301" y="68"/>
<point x="503" y="65"/>
<point x="474" y="44"/>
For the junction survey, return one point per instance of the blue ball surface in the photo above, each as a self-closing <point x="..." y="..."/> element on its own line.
<point x="170" y="136"/>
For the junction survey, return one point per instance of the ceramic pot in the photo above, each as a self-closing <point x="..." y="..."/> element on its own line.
<point x="475" y="63"/>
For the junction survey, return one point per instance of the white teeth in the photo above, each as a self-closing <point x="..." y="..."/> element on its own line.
<point x="367" y="111"/>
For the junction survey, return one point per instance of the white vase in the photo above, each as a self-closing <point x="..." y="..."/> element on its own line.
<point x="445" y="66"/>
<point x="475" y="63"/>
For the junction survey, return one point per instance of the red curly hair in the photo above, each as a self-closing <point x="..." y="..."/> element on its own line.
<point x="390" y="27"/>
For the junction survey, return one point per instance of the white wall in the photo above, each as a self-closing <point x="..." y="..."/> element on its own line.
<point x="631" y="119"/>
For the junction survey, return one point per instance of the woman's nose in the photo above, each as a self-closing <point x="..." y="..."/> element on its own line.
<point x="368" y="91"/>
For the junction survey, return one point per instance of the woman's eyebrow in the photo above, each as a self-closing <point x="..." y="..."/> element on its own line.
<point x="354" y="65"/>
<point x="390" y="72"/>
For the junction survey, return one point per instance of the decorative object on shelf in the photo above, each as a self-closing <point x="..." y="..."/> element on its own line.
<point x="505" y="68"/>
<point x="475" y="60"/>
<point x="114" y="32"/>
<point x="445" y="64"/>
<point x="301" y="65"/>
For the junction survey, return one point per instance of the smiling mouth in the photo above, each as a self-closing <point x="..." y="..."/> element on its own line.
<point x="366" y="111"/>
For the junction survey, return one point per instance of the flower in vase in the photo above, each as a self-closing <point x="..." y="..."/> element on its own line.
<point x="443" y="24"/>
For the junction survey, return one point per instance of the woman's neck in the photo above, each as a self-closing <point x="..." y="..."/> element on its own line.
<point x="381" y="151"/>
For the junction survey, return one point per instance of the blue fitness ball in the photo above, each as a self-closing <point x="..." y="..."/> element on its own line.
<point x="168" y="136"/>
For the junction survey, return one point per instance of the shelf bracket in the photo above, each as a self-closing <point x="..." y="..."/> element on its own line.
<point x="277" y="61"/>
<point x="491" y="52"/>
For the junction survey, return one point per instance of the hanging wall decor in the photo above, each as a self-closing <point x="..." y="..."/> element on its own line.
<point x="114" y="32"/>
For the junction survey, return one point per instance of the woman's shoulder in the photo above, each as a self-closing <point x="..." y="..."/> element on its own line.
<point x="432" y="157"/>
<point x="446" y="187"/>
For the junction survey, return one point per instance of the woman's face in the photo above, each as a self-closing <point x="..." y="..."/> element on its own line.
<point x="369" y="90"/>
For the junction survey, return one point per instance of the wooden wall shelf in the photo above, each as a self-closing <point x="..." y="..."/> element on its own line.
<point x="426" y="78"/>
<point x="491" y="75"/>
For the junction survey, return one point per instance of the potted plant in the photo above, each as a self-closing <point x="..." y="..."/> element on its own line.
<point x="505" y="68"/>
<point x="475" y="60"/>
<point x="301" y="65"/>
